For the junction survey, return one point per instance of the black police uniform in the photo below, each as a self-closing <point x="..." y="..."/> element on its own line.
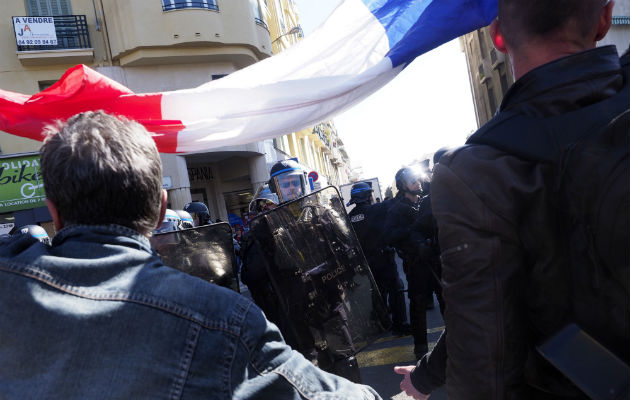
<point x="368" y="222"/>
<point x="254" y="275"/>
<point x="401" y="231"/>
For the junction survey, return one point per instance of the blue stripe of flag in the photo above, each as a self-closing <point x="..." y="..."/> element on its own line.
<point x="414" y="27"/>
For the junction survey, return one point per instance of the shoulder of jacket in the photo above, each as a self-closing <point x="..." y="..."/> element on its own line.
<point x="471" y="153"/>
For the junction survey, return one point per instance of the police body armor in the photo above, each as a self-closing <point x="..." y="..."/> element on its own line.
<point x="206" y="252"/>
<point x="321" y="278"/>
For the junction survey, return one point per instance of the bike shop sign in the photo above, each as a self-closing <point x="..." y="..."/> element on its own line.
<point x="35" y="31"/>
<point x="21" y="184"/>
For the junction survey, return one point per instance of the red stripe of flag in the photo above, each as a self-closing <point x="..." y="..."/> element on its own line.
<point x="83" y="89"/>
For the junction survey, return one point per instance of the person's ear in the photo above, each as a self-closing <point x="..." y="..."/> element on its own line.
<point x="163" y="202"/>
<point x="605" y="21"/>
<point x="54" y="213"/>
<point x="497" y="36"/>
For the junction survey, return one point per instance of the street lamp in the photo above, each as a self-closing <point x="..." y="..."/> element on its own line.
<point x="295" y="30"/>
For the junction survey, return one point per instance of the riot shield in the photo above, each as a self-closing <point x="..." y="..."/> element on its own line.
<point x="206" y="252"/>
<point x="321" y="277"/>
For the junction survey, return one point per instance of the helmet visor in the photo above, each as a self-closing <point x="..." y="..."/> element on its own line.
<point x="290" y="186"/>
<point x="168" y="226"/>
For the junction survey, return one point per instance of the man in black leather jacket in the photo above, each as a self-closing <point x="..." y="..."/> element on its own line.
<point x="401" y="232"/>
<point x="501" y="257"/>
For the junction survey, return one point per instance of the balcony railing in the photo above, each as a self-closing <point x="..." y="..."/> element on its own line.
<point x="71" y="31"/>
<point x="322" y="136"/>
<point x="260" y="22"/>
<point x="170" y="5"/>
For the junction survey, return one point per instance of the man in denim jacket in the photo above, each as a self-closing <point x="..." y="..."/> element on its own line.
<point x="98" y="315"/>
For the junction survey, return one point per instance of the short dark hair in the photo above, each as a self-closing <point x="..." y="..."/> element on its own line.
<point x="102" y="169"/>
<point x="521" y="20"/>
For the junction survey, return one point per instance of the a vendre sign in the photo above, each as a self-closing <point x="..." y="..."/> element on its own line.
<point x="35" y="31"/>
<point x="21" y="184"/>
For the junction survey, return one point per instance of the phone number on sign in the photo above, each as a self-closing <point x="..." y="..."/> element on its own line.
<point x="22" y="42"/>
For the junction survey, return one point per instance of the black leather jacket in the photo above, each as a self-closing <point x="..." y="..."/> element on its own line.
<point x="403" y="233"/>
<point x="503" y="287"/>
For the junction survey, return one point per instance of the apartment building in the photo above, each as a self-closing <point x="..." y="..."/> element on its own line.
<point x="318" y="148"/>
<point x="148" y="46"/>
<point x="490" y="72"/>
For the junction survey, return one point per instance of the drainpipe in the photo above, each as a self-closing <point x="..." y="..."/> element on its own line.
<point x="103" y="30"/>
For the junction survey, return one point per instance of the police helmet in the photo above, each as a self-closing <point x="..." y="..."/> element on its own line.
<point x="185" y="218"/>
<point x="199" y="212"/>
<point x="288" y="180"/>
<point x="170" y="223"/>
<point x="407" y="176"/>
<point x="264" y="199"/>
<point x="35" y="231"/>
<point x="361" y="192"/>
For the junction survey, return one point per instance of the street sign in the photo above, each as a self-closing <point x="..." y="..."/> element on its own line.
<point x="313" y="175"/>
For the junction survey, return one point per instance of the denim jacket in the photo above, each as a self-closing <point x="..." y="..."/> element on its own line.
<point x="98" y="315"/>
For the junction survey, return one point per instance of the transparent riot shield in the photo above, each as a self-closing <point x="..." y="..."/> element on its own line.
<point x="206" y="252"/>
<point x="321" y="277"/>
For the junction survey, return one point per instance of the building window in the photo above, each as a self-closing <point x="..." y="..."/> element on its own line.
<point x="482" y="43"/>
<point x="482" y="73"/>
<point x="48" y="7"/>
<point x="169" y="5"/>
<point x="493" y="56"/>
<point x="71" y="30"/>
<point x="43" y="85"/>
<point x="280" y="16"/>
<point x="257" y="12"/>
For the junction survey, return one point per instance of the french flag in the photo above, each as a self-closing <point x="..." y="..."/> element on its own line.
<point x="361" y="47"/>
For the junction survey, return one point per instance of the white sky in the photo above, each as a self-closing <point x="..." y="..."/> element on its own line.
<point x="427" y="106"/>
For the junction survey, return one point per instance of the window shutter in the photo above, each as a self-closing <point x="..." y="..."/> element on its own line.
<point x="60" y="7"/>
<point x="55" y="7"/>
<point x="65" y="7"/>
<point x="33" y="8"/>
<point x="48" y="7"/>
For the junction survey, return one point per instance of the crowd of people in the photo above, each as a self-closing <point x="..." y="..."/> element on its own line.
<point x="521" y="234"/>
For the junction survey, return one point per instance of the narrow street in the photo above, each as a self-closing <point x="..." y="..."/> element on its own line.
<point x="377" y="361"/>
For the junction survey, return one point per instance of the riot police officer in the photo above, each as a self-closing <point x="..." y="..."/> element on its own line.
<point x="264" y="200"/>
<point x="286" y="183"/>
<point x="186" y="220"/>
<point x="318" y="314"/>
<point x="35" y="231"/>
<point x="253" y="270"/>
<point x="288" y="180"/>
<point x="170" y="223"/>
<point x="368" y="221"/>
<point x="401" y="232"/>
<point x="199" y="212"/>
